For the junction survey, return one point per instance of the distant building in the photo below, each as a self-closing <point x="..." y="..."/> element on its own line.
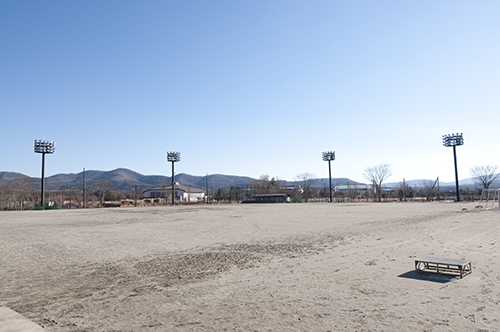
<point x="353" y="190"/>
<point x="292" y="190"/>
<point x="182" y="193"/>
<point x="268" y="198"/>
<point x="345" y="188"/>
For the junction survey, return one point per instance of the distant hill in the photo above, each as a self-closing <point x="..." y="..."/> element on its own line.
<point x="215" y="181"/>
<point x="125" y="179"/>
<point x="321" y="182"/>
<point x="9" y="176"/>
<point x="464" y="183"/>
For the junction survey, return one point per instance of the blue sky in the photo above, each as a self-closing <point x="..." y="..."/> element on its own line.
<point x="250" y="87"/>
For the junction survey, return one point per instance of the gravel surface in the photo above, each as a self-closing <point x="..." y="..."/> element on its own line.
<point x="275" y="267"/>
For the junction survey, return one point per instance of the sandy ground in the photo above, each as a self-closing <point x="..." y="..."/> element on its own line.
<point x="276" y="267"/>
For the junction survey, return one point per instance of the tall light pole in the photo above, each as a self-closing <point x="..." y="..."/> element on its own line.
<point x="454" y="140"/>
<point x="84" y="197"/>
<point x="329" y="156"/>
<point x="173" y="157"/>
<point x="44" y="147"/>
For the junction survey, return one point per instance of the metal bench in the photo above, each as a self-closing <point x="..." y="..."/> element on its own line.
<point x="439" y="265"/>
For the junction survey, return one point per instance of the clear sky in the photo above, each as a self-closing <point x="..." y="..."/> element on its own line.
<point x="250" y="87"/>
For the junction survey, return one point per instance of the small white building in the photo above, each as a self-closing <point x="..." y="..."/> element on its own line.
<point x="182" y="193"/>
<point x="361" y="186"/>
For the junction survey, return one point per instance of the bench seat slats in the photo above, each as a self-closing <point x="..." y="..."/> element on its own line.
<point x="438" y="264"/>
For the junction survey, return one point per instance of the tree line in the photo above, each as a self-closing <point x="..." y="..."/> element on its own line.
<point x="21" y="194"/>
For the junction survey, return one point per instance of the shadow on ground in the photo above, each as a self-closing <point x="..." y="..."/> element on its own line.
<point x="429" y="276"/>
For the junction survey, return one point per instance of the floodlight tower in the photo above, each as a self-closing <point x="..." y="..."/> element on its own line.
<point x="454" y="140"/>
<point x="329" y="156"/>
<point x="173" y="157"/>
<point x="44" y="147"/>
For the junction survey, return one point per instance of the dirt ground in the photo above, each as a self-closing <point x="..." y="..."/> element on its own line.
<point x="275" y="267"/>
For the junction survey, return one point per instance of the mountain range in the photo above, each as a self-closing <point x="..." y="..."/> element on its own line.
<point x="469" y="182"/>
<point x="126" y="179"/>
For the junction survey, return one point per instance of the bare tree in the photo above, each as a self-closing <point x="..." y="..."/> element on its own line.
<point x="6" y="192"/>
<point x="376" y="175"/>
<point x="164" y="184"/>
<point x="265" y="185"/>
<point x="103" y="187"/>
<point x="485" y="174"/>
<point x="352" y="191"/>
<point x="259" y="186"/>
<point x="275" y="185"/>
<point x="306" y="180"/>
<point x="402" y="190"/>
<point x="469" y="194"/>
<point x="428" y="189"/>
<point x="23" y="189"/>
<point x="17" y="193"/>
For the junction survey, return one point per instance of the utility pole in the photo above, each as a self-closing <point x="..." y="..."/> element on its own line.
<point x="135" y="196"/>
<point x="206" y="187"/>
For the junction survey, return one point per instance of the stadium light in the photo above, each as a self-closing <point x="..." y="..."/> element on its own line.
<point x="44" y="147"/>
<point x="173" y="157"/>
<point x="454" y="140"/>
<point x="329" y="156"/>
